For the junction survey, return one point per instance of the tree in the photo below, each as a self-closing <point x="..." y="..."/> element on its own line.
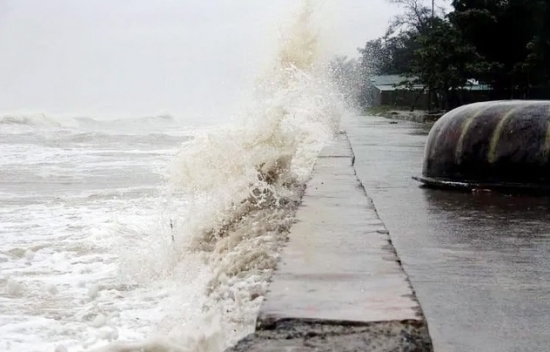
<point x="445" y="61"/>
<point x="503" y="43"/>
<point x="537" y="64"/>
<point x="505" y="33"/>
<point x="438" y="55"/>
<point x="388" y="55"/>
<point x="392" y="53"/>
<point x="416" y="16"/>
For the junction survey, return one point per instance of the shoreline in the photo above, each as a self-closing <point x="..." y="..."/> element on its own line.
<point x="339" y="279"/>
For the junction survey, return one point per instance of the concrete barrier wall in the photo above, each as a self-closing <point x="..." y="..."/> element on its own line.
<point x="339" y="285"/>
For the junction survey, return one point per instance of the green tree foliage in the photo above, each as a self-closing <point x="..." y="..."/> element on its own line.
<point x="445" y="62"/>
<point x="502" y="43"/>
<point x="428" y="50"/>
<point x="509" y="34"/>
<point x="536" y="66"/>
<point x="394" y="52"/>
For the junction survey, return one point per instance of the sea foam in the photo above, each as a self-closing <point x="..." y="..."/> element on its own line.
<point x="242" y="185"/>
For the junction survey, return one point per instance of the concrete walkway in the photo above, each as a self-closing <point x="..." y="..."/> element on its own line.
<point x="479" y="262"/>
<point x="339" y="285"/>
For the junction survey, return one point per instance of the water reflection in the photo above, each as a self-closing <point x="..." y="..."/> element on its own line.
<point x="478" y="261"/>
<point x="494" y="207"/>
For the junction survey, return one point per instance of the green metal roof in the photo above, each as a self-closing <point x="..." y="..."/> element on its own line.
<point x="387" y="79"/>
<point x="390" y="82"/>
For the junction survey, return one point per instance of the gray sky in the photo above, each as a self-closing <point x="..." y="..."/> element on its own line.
<point x="104" y="57"/>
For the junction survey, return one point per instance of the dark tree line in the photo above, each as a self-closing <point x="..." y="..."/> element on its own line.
<point x="501" y="43"/>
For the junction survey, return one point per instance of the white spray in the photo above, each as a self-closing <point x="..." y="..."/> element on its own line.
<point x="242" y="185"/>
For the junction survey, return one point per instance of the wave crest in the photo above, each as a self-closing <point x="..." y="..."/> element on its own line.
<point x="43" y="121"/>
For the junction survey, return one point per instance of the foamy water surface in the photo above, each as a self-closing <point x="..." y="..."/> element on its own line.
<point x="71" y="200"/>
<point x="144" y="234"/>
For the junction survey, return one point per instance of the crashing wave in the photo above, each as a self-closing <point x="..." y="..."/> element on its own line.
<point x="243" y="185"/>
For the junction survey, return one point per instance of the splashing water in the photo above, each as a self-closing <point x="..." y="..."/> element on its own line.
<point x="242" y="185"/>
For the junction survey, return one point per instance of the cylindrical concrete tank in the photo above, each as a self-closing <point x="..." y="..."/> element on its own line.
<point x="497" y="144"/>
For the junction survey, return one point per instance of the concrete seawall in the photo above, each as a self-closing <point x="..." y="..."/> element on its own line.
<point x="339" y="285"/>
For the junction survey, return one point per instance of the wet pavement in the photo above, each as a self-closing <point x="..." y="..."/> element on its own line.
<point x="338" y="280"/>
<point x="480" y="263"/>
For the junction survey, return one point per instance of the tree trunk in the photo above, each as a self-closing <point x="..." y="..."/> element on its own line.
<point x="436" y="102"/>
<point x="418" y="97"/>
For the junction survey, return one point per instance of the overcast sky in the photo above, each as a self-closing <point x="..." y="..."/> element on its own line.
<point x="128" y="57"/>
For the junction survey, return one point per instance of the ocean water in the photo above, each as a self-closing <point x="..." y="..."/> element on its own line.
<point x="147" y="233"/>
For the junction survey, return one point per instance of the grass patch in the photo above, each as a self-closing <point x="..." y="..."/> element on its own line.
<point x="402" y="113"/>
<point x="385" y="110"/>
